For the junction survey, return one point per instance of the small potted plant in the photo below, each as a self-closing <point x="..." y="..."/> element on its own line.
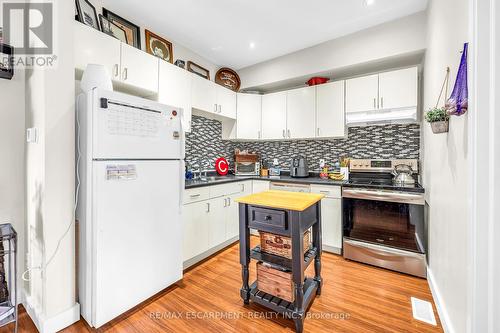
<point x="439" y="120"/>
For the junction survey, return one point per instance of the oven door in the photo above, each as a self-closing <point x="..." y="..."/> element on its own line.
<point x="385" y="218"/>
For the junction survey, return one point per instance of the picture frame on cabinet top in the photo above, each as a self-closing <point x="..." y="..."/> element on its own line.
<point x="87" y="14"/>
<point x="132" y="31"/>
<point x="159" y="47"/>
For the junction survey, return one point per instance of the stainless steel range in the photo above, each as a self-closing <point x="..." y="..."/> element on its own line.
<point x="383" y="216"/>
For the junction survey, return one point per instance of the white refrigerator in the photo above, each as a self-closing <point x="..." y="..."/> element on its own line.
<point x="132" y="176"/>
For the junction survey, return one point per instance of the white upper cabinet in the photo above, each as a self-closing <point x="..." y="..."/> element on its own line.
<point x="301" y="107"/>
<point x="204" y="95"/>
<point x="138" y="68"/>
<point x="398" y="89"/>
<point x="362" y="93"/>
<point x="94" y="47"/>
<point x="330" y="112"/>
<point x="126" y="64"/>
<point x="226" y="101"/>
<point x="248" y="124"/>
<point x="212" y="98"/>
<point x="274" y="116"/>
<point x="175" y="89"/>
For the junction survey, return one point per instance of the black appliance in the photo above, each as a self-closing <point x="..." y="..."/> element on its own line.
<point x="298" y="167"/>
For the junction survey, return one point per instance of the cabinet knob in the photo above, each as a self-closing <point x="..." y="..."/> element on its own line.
<point x="267" y="218"/>
<point x="116" y="70"/>
<point x="125" y="73"/>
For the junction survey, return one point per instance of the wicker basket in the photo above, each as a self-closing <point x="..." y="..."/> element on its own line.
<point x="280" y="245"/>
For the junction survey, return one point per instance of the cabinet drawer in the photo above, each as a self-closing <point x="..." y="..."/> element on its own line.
<point x="225" y="189"/>
<point x="270" y="220"/>
<point x="330" y="191"/>
<point x="196" y="194"/>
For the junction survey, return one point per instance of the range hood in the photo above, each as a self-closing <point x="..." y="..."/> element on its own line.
<point x="385" y="116"/>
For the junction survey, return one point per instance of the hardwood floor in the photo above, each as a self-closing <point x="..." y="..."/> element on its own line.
<point x="355" y="298"/>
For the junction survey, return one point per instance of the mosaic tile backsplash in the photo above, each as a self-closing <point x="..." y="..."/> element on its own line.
<point x="381" y="141"/>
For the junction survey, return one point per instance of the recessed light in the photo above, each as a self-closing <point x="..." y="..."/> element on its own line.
<point x="369" y="2"/>
<point x="252" y="45"/>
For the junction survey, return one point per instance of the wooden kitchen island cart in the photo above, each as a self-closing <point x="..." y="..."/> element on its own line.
<point x="287" y="214"/>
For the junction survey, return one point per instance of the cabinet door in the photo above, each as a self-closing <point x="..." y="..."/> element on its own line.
<point x="362" y="93"/>
<point x="274" y="116"/>
<point x="249" y="112"/>
<point x="331" y="222"/>
<point x="203" y="94"/>
<point x="139" y="69"/>
<point x="226" y="102"/>
<point x="300" y="113"/>
<point x="398" y="89"/>
<point x="94" y="47"/>
<point x="175" y="89"/>
<point x="260" y="186"/>
<point x="330" y="111"/>
<point x="217" y="221"/>
<point x="196" y="225"/>
<point x="232" y="217"/>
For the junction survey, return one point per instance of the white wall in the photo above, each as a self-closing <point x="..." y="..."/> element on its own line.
<point x="446" y="166"/>
<point x="50" y="186"/>
<point x="12" y="184"/>
<point x="403" y="36"/>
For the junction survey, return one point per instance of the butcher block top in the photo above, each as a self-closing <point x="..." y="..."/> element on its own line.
<point x="282" y="200"/>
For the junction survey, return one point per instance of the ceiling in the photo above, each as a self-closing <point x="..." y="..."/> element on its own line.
<point x="240" y="33"/>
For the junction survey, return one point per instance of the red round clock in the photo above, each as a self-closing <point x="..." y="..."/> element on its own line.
<point x="221" y="166"/>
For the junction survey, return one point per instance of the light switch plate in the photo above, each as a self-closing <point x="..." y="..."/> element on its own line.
<point x="32" y="135"/>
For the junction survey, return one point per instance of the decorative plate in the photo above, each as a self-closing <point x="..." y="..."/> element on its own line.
<point x="228" y="78"/>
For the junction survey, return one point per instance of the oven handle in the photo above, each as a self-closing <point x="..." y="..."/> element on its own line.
<point x="383" y="251"/>
<point x="400" y="197"/>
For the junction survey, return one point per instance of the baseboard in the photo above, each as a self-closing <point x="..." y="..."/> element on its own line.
<point x="332" y="249"/>
<point x="438" y="300"/>
<point x="55" y="323"/>
<point x="190" y="262"/>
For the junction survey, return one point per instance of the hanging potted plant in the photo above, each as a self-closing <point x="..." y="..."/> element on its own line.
<point x="439" y="120"/>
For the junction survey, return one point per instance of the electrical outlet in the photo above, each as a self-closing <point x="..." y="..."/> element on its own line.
<point x="322" y="162"/>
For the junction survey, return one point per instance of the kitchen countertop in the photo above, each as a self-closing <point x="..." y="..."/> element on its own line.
<point x="282" y="200"/>
<point x="216" y="180"/>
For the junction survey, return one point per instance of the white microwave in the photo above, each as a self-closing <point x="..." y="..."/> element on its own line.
<point x="247" y="168"/>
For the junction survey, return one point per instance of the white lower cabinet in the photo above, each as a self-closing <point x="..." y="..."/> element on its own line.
<point x="217" y="221"/>
<point x="211" y="223"/>
<point x="260" y="186"/>
<point x="195" y="218"/>
<point x="331" y="217"/>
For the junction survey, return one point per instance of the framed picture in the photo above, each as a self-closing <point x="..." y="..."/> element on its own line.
<point x="159" y="47"/>
<point x="7" y="63"/>
<point x="197" y="69"/>
<point x="87" y="13"/>
<point x="112" y="29"/>
<point x="132" y="31"/>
